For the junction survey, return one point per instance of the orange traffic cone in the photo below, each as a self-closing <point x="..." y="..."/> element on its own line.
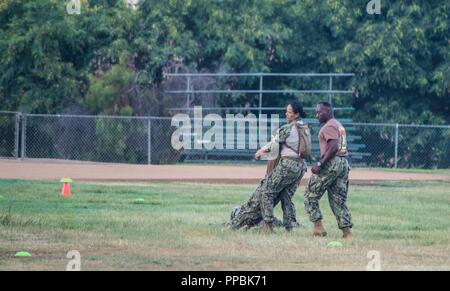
<point x="65" y="188"/>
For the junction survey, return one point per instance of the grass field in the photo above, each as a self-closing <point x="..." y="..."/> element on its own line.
<point x="179" y="226"/>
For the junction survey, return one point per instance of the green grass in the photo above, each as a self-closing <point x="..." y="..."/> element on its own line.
<point x="179" y="226"/>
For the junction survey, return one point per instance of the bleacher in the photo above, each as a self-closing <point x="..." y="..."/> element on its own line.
<point x="354" y="144"/>
<point x="354" y="141"/>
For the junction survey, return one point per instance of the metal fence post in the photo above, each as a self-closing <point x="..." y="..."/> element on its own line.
<point x="188" y="99"/>
<point x="17" y="136"/>
<point x="149" y="141"/>
<point x="396" y="146"/>
<point x="260" y="94"/>
<point x="24" y="136"/>
<point x="331" y="89"/>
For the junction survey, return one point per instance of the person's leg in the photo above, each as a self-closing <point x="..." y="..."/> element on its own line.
<point x="284" y="174"/>
<point x="313" y="194"/>
<point x="287" y="205"/>
<point x="248" y="214"/>
<point x="337" y="196"/>
<point x="317" y="185"/>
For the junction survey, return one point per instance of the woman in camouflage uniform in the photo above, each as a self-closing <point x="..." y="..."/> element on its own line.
<point x="280" y="184"/>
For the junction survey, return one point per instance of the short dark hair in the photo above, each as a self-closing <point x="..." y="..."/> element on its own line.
<point x="325" y="104"/>
<point x="298" y="108"/>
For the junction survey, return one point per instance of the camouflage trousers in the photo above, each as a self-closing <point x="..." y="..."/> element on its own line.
<point x="279" y="186"/>
<point x="333" y="177"/>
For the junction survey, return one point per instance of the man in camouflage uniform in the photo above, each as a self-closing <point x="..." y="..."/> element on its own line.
<point x="330" y="174"/>
<point x="279" y="185"/>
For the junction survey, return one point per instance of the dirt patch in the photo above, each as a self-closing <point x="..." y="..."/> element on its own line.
<point x="82" y="171"/>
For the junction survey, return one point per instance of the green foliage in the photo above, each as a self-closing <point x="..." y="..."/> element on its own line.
<point x="110" y="93"/>
<point x="121" y="141"/>
<point x="401" y="58"/>
<point x="7" y="136"/>
<point x="38" y="57"/>
<point x="51" y="60"/>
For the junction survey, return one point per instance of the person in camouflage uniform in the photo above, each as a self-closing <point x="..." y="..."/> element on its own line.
<point x="279" y="185"/>
<point x="330" y="174"/>
<point x="250" y="214"/>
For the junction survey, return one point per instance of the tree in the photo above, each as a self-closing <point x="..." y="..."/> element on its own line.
<point x="40" y="54"/>
<point x="50" y="60"/>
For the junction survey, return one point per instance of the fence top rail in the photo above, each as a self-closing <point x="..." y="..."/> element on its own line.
<point x="260" y="74"/>
<point x="8" y="112"/>
<point x="260" y="91"/>
<point x="98" y="116"/>
<point x="424" y="126"/>
<point x="170" y="118"/>
<point x="398" y="124"/>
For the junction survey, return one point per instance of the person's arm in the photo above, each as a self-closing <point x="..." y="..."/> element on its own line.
<point x="261" y="152"/>
<point x="332" y="147"/>
<point x="330" y="152"/>
<point x="267" y="148"/>
<point x="274" y="145"/>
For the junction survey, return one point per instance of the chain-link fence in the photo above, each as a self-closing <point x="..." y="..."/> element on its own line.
<point x="423" y="147"/>
<point x="100" y="139"/>
<point x="149" y="140"/>
<point x="399" y="145"/>
<point x="9" y="130"/>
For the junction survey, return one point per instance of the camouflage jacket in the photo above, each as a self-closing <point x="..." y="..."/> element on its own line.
<point x="274" y="146"/>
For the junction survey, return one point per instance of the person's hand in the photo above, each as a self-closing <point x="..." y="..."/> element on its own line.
<point x="315" y="169"/>
<point x="259" y="154"/>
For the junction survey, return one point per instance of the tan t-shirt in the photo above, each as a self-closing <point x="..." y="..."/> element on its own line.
<point x="333" y="129"/>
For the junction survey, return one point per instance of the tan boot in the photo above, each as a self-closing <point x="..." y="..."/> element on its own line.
<point x="347" y="232"/>
<point x="319" y="230"/>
